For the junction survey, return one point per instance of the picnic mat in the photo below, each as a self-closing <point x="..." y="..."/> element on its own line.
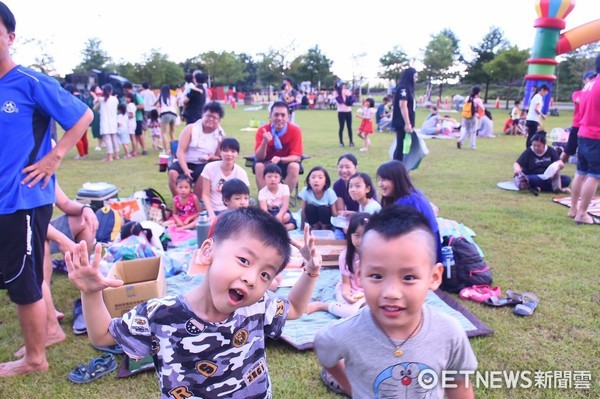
<point x="507" y="185"/>
<point x="301" y="332"/>
<point x="593" y="210"/>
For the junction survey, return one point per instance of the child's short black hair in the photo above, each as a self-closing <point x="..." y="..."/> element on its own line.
<point x="122" y="108"/>
<point x="186" y="178"/>
<point x="258" y="224"/>
<point x="234" y="187"/>
<point x="272" y="168"/>
<point x="230" y="143"/>
<point x="7" y="18"/>
<point x="371" y="102"/>
<point x="396" y="221"/>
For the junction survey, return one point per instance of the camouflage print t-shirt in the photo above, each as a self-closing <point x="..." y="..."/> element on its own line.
<point x="198" y="359"/>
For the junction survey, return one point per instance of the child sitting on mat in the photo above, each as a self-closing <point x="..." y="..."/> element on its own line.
<point x="349" y="295"/>
<point x="397" y="343"/>
<point x="210" y="341"/>
<point x="186" y="206"/>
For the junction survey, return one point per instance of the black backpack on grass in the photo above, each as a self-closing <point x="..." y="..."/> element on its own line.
<point x="469" y="267"/>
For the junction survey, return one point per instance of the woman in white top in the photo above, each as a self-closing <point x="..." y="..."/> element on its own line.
<point x="215" y="174"/>
<point x="167" y="109"/>
<point x="107" y="108"/>
<point x="198" y="145"/>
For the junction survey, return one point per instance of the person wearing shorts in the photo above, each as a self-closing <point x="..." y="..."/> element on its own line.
<point x="29" y="100"/>
<point x="587" y="177"/>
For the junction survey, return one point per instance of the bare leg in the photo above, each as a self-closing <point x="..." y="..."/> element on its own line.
<point x="54" y="332"/>
<point x="293" y="173"/>
<point x="32" y="319"/>
<point x="587" y="192"/>
<point x="317" y="307"/>
<point x="172" y="182"/>
<point x="575" y="193"/>
<point x="259" y="169"/>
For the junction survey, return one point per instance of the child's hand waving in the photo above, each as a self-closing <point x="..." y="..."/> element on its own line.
<point x="87" y="278"/>
<point x="311" y="255"/>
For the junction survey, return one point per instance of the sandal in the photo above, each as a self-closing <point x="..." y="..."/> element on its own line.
<point x="95" y="369"/>
<point x="331" y="383"/>
<point x="114" y="349"/>
<point x="512" y="299"/>
<point x="530" y="302"/>
<point x="479" y="293"/>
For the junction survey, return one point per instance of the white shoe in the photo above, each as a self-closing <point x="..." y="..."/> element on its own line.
<point x="97" y="149"/>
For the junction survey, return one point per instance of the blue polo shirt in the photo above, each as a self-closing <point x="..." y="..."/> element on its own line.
<point x="28" y="100"/>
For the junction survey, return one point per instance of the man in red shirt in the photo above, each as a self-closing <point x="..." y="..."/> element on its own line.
<point x="279" y="142"/>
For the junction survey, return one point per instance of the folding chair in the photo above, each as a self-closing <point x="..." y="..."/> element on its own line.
<point x="250" y="161"/>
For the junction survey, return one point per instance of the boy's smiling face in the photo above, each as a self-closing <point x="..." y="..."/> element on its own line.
<point x="240" y="270"/>
<point x="395" y="275"/>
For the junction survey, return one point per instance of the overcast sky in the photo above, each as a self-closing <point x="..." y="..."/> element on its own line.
<point x="342" y="29"/>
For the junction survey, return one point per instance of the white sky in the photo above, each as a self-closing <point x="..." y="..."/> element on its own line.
<point x="183" y="29"/>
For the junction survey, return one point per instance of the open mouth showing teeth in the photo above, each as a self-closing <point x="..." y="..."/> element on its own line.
<point x="236" y="295"/>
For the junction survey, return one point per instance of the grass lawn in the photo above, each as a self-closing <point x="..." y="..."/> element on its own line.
<point x="529" y="242"/>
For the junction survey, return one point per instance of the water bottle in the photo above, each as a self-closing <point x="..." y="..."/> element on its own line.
<point x="448" y="259"/>
<point x="202" y="227"/>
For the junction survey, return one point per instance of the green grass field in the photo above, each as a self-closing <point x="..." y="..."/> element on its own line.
<point x="529" y="242"/>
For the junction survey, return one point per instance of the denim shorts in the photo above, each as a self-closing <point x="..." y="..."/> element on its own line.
<point x="588" y="157"/>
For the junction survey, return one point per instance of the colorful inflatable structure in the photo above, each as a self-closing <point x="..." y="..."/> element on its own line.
<point x="549" y="43"/>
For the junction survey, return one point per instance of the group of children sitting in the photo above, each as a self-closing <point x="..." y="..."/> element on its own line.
<point x="209" y="342"/>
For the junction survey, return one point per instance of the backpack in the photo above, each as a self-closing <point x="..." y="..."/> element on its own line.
<point x="156" y="206"/>
<point x="469" y="268"/>
<point x="109" y="224"/>
<point x="468" y="109"/>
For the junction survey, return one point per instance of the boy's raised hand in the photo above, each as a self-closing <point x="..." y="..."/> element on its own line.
<point x="309" y="251"/>
<point x="87" y="278"/>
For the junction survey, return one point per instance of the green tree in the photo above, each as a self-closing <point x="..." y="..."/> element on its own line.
<point x="93" y="56"/>
<point x="314" y="66"/>
<point x="490" y="44"/>
<point x="158" y="70"/>
<point x="224" y="68"/>
<point x="250" y="68"/>
<point x="271" y="68"/>
<point x="129" y="70"/>
<point x="507" y="67"/>
<point x="393" y="63"/>
<point x="439" y="58"/>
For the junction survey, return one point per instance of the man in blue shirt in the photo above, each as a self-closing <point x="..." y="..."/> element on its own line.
<point x="28" y="102"/>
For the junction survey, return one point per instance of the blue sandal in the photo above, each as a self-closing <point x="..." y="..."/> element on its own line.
<point x="530" y="303"/>
<point x="95" y="369"/>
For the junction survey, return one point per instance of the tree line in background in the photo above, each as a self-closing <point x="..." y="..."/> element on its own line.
<point x="495" y="63"/>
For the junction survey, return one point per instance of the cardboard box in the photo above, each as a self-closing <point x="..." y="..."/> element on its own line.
<point x="330" y="250"/>
<point x="143" y="279"/>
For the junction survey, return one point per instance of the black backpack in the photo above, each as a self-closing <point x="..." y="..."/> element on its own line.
<point x="469" y="267"/>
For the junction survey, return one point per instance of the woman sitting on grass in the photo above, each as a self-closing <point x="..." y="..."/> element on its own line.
<point x="542" y="165"/>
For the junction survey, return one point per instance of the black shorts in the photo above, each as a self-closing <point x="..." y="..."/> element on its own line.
<point x="138" y="128"/>
<point x="283" y="167"/>
<point x="22" y="237"/>
<point x="196" y="169"/>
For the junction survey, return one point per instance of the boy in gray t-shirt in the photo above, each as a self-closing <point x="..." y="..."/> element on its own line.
<point x="397" y="345"/>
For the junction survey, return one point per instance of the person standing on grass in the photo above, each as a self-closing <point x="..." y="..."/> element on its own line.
<point x="343" y="98"/>
<point x="571" y="148"/>
<point x="28" y="100"/>
<point x="468" y="126"/>
<point x="403" y="115"/>
<point x="587" y="177"/>
<point x="535" y="114"/>
<point x="139" y="118"/>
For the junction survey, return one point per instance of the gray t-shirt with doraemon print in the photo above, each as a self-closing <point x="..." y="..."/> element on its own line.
<point x="198" y="359"/>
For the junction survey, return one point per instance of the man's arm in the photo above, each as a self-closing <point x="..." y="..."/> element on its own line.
<point x="264" y="136"/>
<point x="404" y="112"/>
<point x="47" y="166"/>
